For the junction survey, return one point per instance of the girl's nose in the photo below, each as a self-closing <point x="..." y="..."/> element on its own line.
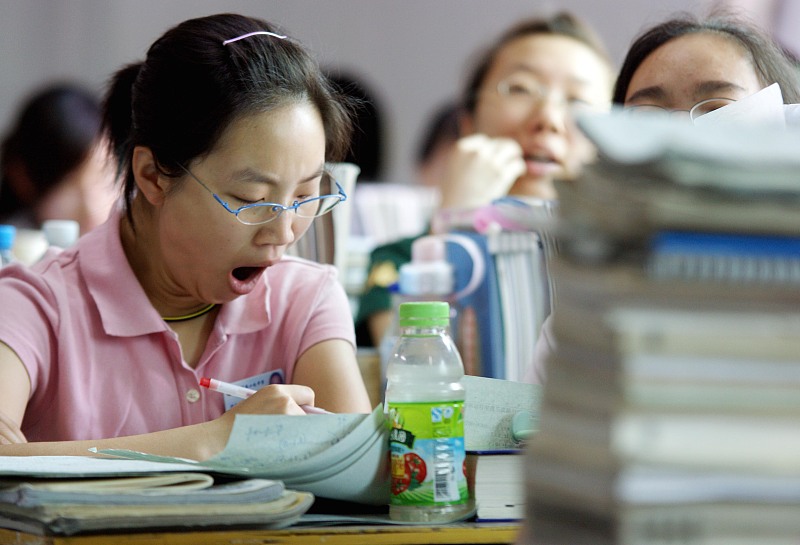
<point x="278" y="232"/>
<point x="549" y="113"/>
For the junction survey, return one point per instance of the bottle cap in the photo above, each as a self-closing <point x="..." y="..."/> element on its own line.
<point x="425" y="314"/>
<point x="61" y="233"/>
<point x="7" y="235"/>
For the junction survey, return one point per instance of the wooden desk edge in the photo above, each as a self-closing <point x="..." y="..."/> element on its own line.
<point x="477" y="533"/>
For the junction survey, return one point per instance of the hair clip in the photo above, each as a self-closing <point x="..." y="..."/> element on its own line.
<point x="243" y="36"/>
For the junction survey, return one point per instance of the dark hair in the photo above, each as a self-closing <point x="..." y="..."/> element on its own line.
<point x="560" y="24"/>
<point x="366" y="144"/>
<point x="442" y="127"/>
<point x="56" y="129"/>
<point x="191" y="87"/>
<point x="769" y="61"/>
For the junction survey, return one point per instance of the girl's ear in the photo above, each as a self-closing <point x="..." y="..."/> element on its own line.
<point x="148" y="179"/>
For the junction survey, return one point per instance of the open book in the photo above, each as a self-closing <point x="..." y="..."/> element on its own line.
<point x="336" y="456"/>
<point x="344" y="456"/>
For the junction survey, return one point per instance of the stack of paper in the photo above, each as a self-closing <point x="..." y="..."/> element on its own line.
<point x="72" y="494"/>
<point x="671" y="412"/>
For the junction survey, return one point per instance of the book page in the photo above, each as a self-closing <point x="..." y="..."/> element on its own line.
<point x="338" y="456"/>
<point x="490" y="406"/>
<point x="264" y="443"/>
<point x="86" y="466"/>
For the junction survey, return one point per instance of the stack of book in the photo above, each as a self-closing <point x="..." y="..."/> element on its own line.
<point x="500" y="415"/>
<point x="671" y="413"/>
<point x="66" y="495"/>
<point x="500" y="319"/>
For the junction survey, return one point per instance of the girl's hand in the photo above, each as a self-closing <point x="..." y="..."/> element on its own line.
<point x="272" y="399"/>
<point x="481" y="169"/>
<point x="276" y="399"/>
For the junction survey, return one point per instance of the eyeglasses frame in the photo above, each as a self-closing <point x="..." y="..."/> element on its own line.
<point x="689" y="111"/>
<point x="341" y="195"/>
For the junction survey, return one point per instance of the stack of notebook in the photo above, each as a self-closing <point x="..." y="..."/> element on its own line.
<point x="65" y="495"/>
<point x="671" y="412"/>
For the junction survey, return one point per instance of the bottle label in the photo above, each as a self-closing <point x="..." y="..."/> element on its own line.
<point x="426" y="444"/>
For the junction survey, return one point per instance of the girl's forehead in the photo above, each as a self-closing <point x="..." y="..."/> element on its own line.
<point x="687" y="64"/>
<point x="551" y="55"/>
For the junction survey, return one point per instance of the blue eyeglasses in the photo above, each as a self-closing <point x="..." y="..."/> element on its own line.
<point x="264" y="212"/>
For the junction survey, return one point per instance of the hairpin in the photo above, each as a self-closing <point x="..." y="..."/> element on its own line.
<point x="243" y="36"/>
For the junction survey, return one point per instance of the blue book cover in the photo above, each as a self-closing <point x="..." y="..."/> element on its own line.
<point x="480" y="322"/>
<point x="725" y="257"/>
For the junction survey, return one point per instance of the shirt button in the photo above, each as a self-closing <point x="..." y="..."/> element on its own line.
<point x="192" y="395"/>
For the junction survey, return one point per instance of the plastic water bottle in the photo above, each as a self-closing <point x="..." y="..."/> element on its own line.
<point x="425" y="403"/>
<point x="7" y="235"/>
<point x="61" y="233"/>
<point x="427" y="277"/>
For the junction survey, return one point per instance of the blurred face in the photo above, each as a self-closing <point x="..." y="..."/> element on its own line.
<point x="691" y="69"/>
<point x="277" y="157"/>
<point x="527" y="95"/>
<point x="86" y="194"/>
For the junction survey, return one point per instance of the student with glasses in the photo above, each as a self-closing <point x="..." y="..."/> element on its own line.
<point x="516" y="133"/>
<point x="687" y="66"/>
<point x="221" y="136"/>
<point x="693" y="66"/>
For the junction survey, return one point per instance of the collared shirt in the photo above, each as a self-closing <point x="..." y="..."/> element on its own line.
<point x="103" y="363"/>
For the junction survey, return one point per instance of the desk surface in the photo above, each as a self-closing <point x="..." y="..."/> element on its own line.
<point x="502" y="533"/>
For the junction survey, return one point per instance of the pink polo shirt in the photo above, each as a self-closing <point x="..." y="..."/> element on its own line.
<point x="103" y="363"/>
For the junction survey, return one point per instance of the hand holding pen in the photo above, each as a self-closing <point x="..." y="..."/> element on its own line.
<point x="243" y="393"/>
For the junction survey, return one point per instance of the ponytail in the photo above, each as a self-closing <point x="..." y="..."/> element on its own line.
<point x="118" y="122"/>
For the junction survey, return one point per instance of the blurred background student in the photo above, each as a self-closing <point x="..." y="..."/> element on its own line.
<point x="686" y="62"/>
<point x="436" y="147"/>
<point x="431" y="162"/>
<point x="367" y="143"/>
<point x="516" y="132"/>
<point x="55" y="162"/>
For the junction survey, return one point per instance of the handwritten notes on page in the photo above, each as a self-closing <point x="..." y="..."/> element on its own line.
<point x="260" y="443"/>
<point x="344" y="456"/>
<point x="336" y="456"/>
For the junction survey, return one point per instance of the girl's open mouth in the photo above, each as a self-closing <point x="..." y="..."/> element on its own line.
<point x="244" y="279"/>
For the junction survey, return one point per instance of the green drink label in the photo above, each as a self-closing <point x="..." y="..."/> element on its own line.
<point x="426" y="444"/>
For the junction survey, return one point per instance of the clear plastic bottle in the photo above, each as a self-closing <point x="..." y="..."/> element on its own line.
<point x="61" y="233"/>
<point x="8" y="234"/>
<point x="427" y="277"/>
<point x="425" y="403"/>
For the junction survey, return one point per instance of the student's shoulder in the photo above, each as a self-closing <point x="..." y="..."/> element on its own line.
<point x="49" y="273"/>
<point x="398" y="251"/>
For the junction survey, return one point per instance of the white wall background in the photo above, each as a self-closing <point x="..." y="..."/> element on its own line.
<point x="414" y="53"/>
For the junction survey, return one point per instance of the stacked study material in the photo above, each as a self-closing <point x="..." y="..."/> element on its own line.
<point x="495" y="477"/>
<point x="501" y="319"/>
<point x="672" y="409"/>
<point x="500" y="415"/>
<point x="65" y="495"/>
